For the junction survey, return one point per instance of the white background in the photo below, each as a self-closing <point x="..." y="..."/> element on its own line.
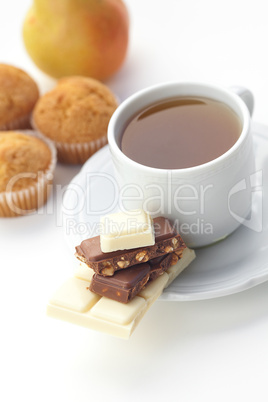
<point x="212" y="350"/>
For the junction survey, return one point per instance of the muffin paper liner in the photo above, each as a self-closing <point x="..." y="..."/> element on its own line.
<point x="74" y="153"/>
<point x="19" y="123"/>
<point x="80" y="152"/>
<point x="28" y="200"/>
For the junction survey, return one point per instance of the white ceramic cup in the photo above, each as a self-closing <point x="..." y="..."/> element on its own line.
<point x="206" y="202"/>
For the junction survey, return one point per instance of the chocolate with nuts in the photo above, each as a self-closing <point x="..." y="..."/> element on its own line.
<point x="161" y="264"/>
<point x="125" y="284"/>
<point x="167" y="240"/>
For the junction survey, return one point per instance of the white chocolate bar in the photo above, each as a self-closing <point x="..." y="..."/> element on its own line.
<point x="75" y="303"/>
<point x="124" y="231"/>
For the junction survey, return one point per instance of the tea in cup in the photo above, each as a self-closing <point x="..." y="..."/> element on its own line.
<point x="179" y="150"/>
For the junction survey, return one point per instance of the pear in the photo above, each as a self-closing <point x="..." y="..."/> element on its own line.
<point x="77" y="37"/>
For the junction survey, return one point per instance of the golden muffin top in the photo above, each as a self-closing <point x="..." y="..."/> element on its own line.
<point x="22" y="157"/>
<point x="77" y="110"/>
<point x="18" y="94"/>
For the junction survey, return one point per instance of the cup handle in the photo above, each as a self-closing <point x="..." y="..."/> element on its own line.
<point x="246" y="95"/>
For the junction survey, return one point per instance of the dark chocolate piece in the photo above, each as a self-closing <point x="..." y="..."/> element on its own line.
<point x="125" y="284"/>
<point x="159" y="265"/>
<point x="167" y="240"/>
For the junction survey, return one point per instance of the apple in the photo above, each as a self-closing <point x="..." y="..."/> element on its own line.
<point x="77" y="37"/>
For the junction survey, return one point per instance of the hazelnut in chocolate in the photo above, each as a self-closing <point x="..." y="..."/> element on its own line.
<point x="167" y="240"/>
<point x="125" y="284"/>
<point x="74" y="303"/>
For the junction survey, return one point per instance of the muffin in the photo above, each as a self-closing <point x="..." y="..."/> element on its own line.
<point x="27" y="164"/>
<point x="75" y="115"/>
<point x="18" y="95"/>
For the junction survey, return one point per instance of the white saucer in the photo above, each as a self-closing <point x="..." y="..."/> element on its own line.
<point x="237" y="263"/>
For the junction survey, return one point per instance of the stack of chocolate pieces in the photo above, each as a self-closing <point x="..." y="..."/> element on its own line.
<point x="125" y="258"/>
<point x="131" y="266"/>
